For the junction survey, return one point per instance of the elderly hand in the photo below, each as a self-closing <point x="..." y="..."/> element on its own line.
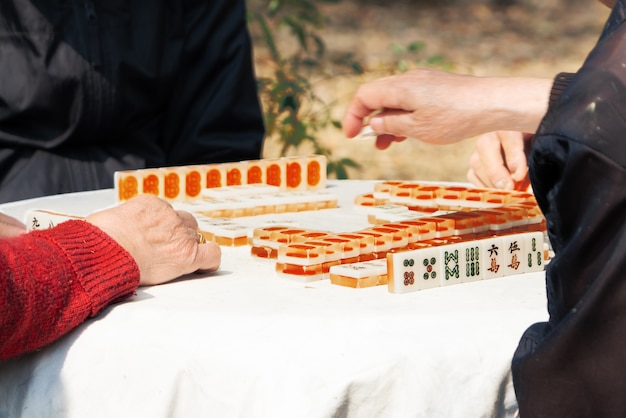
<point x="499" y="161"/>
<point x="10" y="227"/>
<point x="439" y="107"/>
<point x="162" y="241"/>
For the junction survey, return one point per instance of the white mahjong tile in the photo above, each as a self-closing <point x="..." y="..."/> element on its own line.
<point x="295" y="173"/>
<point x="214" y="176"/>
<point x="128" y="184"/>
<point x="534" y="252"/>
<point x="414" y="270"/>
<point x="42" y="219"/>
<point x="236" y="173"/>
<point x="467" y="256"/>
<point x="173" y="183"/>
<point x="514" y="246"/>
<point x="316" y="172"/>
<point x="493" y="256"/>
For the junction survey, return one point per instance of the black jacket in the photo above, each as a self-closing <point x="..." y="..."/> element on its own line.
<point x="575" y="365"/>
<point x="88" y="87"/>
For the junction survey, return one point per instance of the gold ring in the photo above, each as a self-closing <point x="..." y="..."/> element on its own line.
<point x="201" y="239"/>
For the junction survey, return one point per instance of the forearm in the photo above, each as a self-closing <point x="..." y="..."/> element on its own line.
<point x="53" y="280"/>
<point x="510" y="103"/>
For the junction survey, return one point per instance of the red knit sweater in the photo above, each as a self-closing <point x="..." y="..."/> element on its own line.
<point x="52" y="280"/>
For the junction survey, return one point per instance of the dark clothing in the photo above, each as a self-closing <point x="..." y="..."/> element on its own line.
<point x="88" y="87"/>
<point x="575" y="364"/>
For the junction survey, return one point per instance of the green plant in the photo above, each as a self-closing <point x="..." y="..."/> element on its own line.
<point x="411" y="55"/>
<point x="294" y="113"/>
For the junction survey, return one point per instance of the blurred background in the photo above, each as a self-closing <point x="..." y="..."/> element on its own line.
<point x="311" y="56"/>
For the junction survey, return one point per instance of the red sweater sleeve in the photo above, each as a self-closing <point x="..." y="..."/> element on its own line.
<point x="52" y="280"/>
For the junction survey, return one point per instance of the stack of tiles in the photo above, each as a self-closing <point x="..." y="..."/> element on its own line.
<point x="458" y="234"/>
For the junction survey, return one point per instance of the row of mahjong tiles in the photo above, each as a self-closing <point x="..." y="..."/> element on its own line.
<point x="186" y="183"/>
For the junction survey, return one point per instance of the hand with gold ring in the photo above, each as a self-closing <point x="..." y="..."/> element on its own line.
<point x="164" y="242"/>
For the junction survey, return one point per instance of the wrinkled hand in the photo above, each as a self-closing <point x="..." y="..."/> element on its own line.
<point x="499" y="161"/>
<point x="10" y="227"/>
<point x="162" y="241"/>
<point x="438" y="107"/>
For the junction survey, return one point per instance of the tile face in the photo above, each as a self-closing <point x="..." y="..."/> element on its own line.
<point x="493" y="254"/>
<point x="514" y="246"/>
<point x="414" y="270"/>
<point x="451" y="266"/>
<point x="534" y="254"/>
<point x="43" y="219"/>
<point x="471" y="261"/>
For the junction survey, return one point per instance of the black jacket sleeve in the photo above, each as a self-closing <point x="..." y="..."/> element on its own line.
<point x="575" y="364"/>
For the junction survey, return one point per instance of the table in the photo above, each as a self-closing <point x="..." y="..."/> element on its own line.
<point x="244" y="342"/>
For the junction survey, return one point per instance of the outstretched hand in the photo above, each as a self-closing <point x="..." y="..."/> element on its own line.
<point x="438" y="107"/>
<point x="162" y="241"/>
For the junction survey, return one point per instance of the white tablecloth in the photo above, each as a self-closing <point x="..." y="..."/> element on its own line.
<point x="246" y="343"/>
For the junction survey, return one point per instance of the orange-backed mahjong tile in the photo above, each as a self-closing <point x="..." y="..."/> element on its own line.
<point x="516" y="216"/>
<point x="367" y="200"/>
<point x="236" y="173"/>
<point x="412" y="230"/>
<point x="443" y="226"/>
<point x="127" y="184"/>
<point x="497" y="221"/>
<point x="425" y="196"/>
<point x="173" y="183"/>
<point x="301" y="273"/>
<point x="426" y="229"/>
<point x="286" y="236"/>
<point x="349" y="247"/>
<point x="228" y="234"/>
<point x="295" y="173"/>
<point x="403" y="193"/>
<point x="517" y="196"/>
<point x="332" y="253"/>
<point x="399" y="237"/>
<point x="367" y="245"/>
<point x="316" y="172"/>
<point x="152" y="181"/>
<point x="463" y="223"/>
<point x="275" y="173"/>
<point x="194" y="176"/>
<point x="255" y="171"/>
<point x="360" y="275"/>
<point x="496" y="198"/>
<point x="451" y="197"/>
<point x="263" y="235"/>
<point x="261" y="243"/>
<point x="214" y="176"/>
<point x="383" y="189"/>
<point x="383" y="243"/>
<point x="309" y="236"/>
<point x="301" y="254"/>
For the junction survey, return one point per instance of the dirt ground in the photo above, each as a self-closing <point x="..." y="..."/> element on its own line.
<point x="532" y="38"/>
